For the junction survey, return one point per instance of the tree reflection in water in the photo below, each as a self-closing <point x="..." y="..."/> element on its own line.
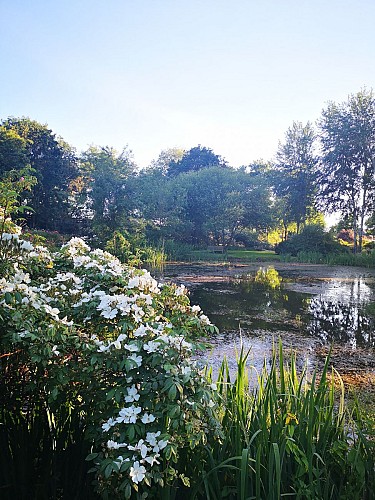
<point x="259" y="300"/>
<point x="338" y="322"/>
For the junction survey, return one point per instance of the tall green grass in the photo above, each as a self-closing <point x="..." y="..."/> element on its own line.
<point x="43" y="451"/>
<point x="155" y="257"/>
<point x="343" y="259"/>
<point x="289" y="437"/>
<point x="178" y="251"/>
<point x="43" y="461"/>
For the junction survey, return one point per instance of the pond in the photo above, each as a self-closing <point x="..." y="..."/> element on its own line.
<point x="308" y="306"/>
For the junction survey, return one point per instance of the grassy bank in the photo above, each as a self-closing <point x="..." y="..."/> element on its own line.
<point x="248" y="256"/>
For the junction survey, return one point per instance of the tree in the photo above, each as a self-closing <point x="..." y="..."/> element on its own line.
<point x="295" y="171"/>
<point x="195" y="159"/>
<point x="107" y="201"/>
<point x="347" y="169"/>
<point x="219" y="203"/>
<point x="159" y="202"/>
<point x="166" y="158"/>
<point x="55" y="166"/>
<point x="13" y="154"/>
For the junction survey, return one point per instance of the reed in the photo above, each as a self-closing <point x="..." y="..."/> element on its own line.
<point x="343" y="259"/>
<point x="155" y="257"/>
<point x="289" y="437"/>
<point x="43" y="449"/>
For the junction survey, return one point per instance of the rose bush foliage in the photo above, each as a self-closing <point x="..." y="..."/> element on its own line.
<point x="83" y="330"/>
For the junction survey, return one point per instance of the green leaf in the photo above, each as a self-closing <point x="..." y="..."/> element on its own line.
<point x="128" y="491"/>
<point x="131" y="433"/>
<point x="172" y="393"/>
<point x="110" y="394"/>
<point x="108" y="471"/>
<point x="8" y="298"/>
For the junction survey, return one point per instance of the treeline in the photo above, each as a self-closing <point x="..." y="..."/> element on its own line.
<point x="194" y="196"/>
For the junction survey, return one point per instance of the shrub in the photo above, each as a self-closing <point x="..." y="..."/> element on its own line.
<point x="103" y="347"/>
<point x="249" y="240"/>
<point x="313" y="238"/>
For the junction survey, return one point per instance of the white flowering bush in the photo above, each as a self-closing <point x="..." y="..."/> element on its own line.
<point x="84" y="331"/>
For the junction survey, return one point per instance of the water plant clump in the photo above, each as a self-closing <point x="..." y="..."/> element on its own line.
<point x="291" y="436"/>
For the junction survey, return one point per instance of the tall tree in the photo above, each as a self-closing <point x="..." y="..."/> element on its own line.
<point x="195" y="159"/>
<point x="106" y="172"/>
<point x="295" y="172"/>
<point x="55" y="166"/>
<point x="221" y="202"/>
<point x="159" y="203"/>
<point x="347" y="170"/>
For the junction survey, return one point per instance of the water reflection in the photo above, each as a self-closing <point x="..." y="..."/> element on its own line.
<point x="267" y="278"/>
<point x="339" y="322"/>
<point x="270" y="301"/>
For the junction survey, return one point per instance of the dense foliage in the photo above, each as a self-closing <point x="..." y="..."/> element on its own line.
<point x="54" y="164"/>
<point x="313" y="238"/>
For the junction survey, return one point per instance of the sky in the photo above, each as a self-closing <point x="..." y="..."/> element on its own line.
<point x="231" y="75"/>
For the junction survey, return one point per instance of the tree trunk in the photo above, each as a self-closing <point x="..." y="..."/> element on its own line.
<point x="355" y="232"/>
<point x="285" y="232"/>
<point x="362" y="220"/>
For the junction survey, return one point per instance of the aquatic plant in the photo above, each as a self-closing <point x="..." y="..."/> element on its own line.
<point x="290" y="436"/>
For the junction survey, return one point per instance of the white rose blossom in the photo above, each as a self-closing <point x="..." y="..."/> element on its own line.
<point x="129" y="415"/>
<point x="137" y="472"/>
<point x="113" y="445"/>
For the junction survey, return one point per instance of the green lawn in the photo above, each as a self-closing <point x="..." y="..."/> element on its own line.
<point x="237" y="255"/>
<point x="263" y="255"/>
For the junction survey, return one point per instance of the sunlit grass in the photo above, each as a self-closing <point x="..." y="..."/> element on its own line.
<point x="233" y="255"/>
<point x="254" y="255"/>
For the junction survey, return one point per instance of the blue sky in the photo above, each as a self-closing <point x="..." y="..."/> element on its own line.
<point x="152" y="74"/>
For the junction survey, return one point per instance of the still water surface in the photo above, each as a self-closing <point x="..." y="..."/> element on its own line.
<point x="307" y="306"/>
